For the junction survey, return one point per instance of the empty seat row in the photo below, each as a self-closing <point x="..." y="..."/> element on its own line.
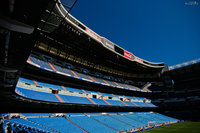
<point x="50" y="97"/>
<point x="91" y="122"/>
<point x="75" y="74"/>
<point x="71" y="89"/>
<point x="67" y="95"/>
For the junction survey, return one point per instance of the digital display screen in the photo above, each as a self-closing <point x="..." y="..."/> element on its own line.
<point x="119" y="50"/>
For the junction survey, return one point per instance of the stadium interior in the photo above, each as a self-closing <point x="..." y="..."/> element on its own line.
<point x="54" y="69"/>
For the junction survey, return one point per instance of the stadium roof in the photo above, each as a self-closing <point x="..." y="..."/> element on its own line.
<point x="184" y="64"/>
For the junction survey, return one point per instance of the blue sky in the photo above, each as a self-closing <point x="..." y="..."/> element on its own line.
<point x="155" y="30"/>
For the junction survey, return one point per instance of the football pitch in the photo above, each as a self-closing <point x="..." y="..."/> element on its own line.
<point x="185" y="127"/>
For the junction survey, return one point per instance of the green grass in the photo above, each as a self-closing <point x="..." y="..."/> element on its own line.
<point x="185" y="127"/>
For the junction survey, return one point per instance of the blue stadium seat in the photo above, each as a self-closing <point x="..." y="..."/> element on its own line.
<point x="59" y="123"/>
<point x="26" y="123"/>
<point x="141" y="104"/>
<point x="139" y="119"/>
<point x="127" y="120"/>
<point x="27" y="80"/>
<point x="90" y="122"/>
<point x="129" y="103"/>
<point x="81" y="75"/>
<point x="152" y="105"/>
<point x="115" y="103"/>
<point x="111" y="83"/>
<point x="130" y="120"/>
<point x="75" y="99"/>
<point x="37" y="114"/>
<point x="107" y="94"/>
<point x="91" y="125"/>
<point x="115" y="124"/>
<point x="123" y="85"/>
<point x="36" y="95"/>
<point x="74" y="89"/>
<point x="164" y="117"/>
<point x="148" y="117"/>
<point x="40" y="62"/>
<point x="99" y="101"/>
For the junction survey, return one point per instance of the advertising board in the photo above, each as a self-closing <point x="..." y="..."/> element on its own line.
<point x="128" y="55"/>
<point x="94" y="35"/>
<point x="108" y="44"/>
<point x="138" y="60"/>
